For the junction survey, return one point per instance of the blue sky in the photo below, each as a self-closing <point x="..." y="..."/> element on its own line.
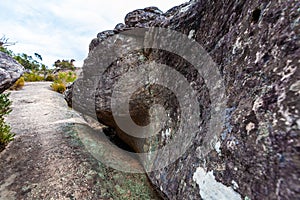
<point x="63" y="29"/>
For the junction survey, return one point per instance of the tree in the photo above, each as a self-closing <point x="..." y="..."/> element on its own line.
<point x="38" y="56"/>
<point x="29" y="63"/>
<point x="4" y="42"/>
<point x="64" y="64"/>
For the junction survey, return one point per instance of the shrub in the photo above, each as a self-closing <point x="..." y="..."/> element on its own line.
<point x="58" y="87"/>
<point x="5" y="135"/>
<point x="61" y="80"/>
<point x="65" y="64"/>
<point x="71" y="77"/>
<point x="62" y="76"/>
<point x="18" y="84"/>
<point x="5" y="50"/>
<point x="50" y="77"/>
<point x="32" y="77"/>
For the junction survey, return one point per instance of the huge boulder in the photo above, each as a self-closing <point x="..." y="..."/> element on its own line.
<point x="10" y="71"/>
<point x="255" y="45"/>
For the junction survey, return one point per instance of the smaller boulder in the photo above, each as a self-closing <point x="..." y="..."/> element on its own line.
<point x="10" y="71"/>
<point x="142" y="17"/>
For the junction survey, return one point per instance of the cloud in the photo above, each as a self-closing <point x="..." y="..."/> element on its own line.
<point x="63" y="29"/>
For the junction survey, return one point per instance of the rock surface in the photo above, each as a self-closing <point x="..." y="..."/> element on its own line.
<point x="10" y="71"/>
<point x="68" y="94"/>
<point x="256" y="47"/>
<point x="48" y="158"/>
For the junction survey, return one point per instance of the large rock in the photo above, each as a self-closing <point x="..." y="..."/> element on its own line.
<point x="10" y="71"/>
<point x="255" y="45"/>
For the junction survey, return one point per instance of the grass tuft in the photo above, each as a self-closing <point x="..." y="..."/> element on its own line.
<point x="58" y="87"/>
<point x="33" y="77"/>
<point x="18" y="84"/>
<point x="61" y="80"/>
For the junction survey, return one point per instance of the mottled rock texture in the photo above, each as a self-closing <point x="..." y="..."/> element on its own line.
<point x="68" y="94"/>
<point x="256" y="47"/>
<point x="10" y="71"/>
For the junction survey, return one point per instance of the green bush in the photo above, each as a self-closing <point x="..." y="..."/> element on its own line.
<point x="71" y="77"/>
<point x="5" y="135"/>
<point x="5" y="50"/>
<point x="50" y="77"/>
<point x="58" y="87"/>
<point x="66" y="77"/>
<point x="33" y="77"/>
<point x="61" y="80"/>
<point x="18" y="84"/>
<point x="65" y="64"/>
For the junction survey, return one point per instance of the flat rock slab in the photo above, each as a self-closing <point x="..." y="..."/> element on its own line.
<point x="47" y="159"/>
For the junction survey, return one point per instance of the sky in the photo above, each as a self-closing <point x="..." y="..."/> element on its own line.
<point x="63" y="29"/>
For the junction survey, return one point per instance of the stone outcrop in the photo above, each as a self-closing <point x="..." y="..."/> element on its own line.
<point x="68" y="94"/>
<point x="10" y="71"/>
<point x="255" y="45"/>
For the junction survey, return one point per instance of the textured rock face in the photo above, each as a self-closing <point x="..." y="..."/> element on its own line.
<point x="10" y="71"/>
<point x="141" y="17"/>
<point x="256" y="47"/>
<point x="68" y="94"/>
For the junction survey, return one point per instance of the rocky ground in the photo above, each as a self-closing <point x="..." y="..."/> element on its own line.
<point x="47" y="159"/>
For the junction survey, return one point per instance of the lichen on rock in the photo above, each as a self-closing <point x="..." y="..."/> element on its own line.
<point x="255" y="45"/>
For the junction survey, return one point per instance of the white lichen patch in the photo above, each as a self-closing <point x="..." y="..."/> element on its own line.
<point x="168" y="132"/>
<point x="257" y="104"/>
<point x="186" y="8"/>
<point x="250" y="127"/>
<point x="237" y="45"/>
<point x="161" y="188"/>
<point x="234" y="184"/>
<point x="247" y="198"/>
<point x="191" y="34"/>
<point x="288" y="71"/>
<point x="259" y="55"/>
<point x="231" y="144"/>
<point x="295" y="87"/>
<point x="217" y="147"/>
<point x="286" y="115"/>
<point x="210" y="189"/>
